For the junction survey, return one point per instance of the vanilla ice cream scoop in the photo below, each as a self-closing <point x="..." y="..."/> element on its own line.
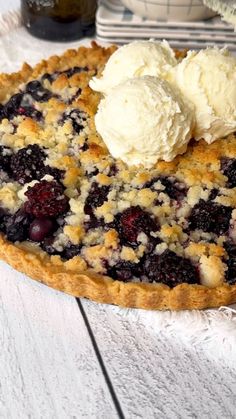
<point x="208" y="80"/>
<point x="139" y="58"/>
<point x="144" y="120"/>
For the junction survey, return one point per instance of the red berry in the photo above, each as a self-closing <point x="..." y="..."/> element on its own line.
<point x="133" y="221"/>
<point x="46" y="199"/>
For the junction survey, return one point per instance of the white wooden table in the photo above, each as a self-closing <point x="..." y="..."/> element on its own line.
<point x="67" y="358"/>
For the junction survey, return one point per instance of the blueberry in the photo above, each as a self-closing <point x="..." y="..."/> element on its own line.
<point x="41" y="228"/>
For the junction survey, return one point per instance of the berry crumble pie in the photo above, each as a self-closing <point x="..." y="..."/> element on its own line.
<point x="80" y="221"/>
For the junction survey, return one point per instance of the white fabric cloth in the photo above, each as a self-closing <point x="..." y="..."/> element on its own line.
<point x="213" y="330"/>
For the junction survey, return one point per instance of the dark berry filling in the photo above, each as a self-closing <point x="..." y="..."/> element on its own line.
<point x="231" y="263"/>
<point x="37" y="91"/>
<point x="3" y="219"/>
<point x="173" y="188"/>
<point x="77" y="119"/>
<point x="75" y="96"/>
<point x="69" y="73"/>
<point x="96" y="197"/>
<point x="74" y="70"/>
<point x="94" y="222"/>
<point x="46" y="199"/>
<point x="210" y="217"/>
<point x="18" y="104"/>
<point x="228" y="167"/>
<point x="124" y="271"/>
<point x="213" y="194"/>
<point x="11" y="107"/>
<point x="5" y="159"/>
<point x="17" y="226"/>
<point x="170" y="269"/>
<point x="48" y="77"/>
<point x="48" y="246"/>
<point x="71" y="251"/>
<point x="68" y="252"/>
<point x="133" y="221"/>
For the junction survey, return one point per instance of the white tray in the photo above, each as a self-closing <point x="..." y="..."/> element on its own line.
<point x="116" y="24"/>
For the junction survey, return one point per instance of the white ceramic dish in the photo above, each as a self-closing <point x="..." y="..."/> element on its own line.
<point x="175" y="10"/>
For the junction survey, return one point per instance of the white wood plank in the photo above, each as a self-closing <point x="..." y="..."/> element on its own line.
<point x="158" y="377"/>
<point x="48" y="368"/>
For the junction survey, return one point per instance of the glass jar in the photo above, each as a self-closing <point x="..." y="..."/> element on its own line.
<point x="59" y="20"/>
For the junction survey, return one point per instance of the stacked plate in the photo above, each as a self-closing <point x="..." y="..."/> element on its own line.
<point x="116" y="24"/>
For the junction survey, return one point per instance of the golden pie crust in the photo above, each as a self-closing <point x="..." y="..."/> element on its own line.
<point x="61" y="276"/>
<point x="70" y="276"/>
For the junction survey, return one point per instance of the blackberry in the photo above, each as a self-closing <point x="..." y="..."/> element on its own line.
<point x="17" y="226"/>
<point x="28" y="164"/>
<point x="210" y="217"/>
<point x="228" y="167"/>
<point x="96" y="197"/>
<point x="170" y="269"/>
<point x="46" y="199"/>
<point x="133" y="221"/>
